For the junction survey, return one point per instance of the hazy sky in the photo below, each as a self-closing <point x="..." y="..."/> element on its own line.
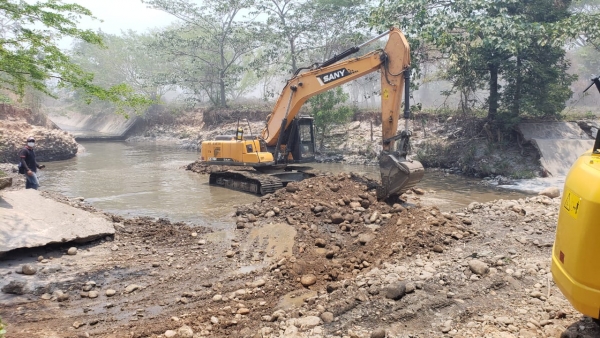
<point x="121" y="15"/>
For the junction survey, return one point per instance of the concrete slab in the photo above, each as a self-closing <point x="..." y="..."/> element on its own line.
<point x="552" y="130"/>
<point x="559" y="144"/>
<point x="29" y="220"/>
<point x="557" y="156"/>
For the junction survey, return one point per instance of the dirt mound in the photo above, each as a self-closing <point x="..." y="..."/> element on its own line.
<point x="342" y="228"/>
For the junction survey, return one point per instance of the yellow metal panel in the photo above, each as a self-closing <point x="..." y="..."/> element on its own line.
<point x="576" y="252"/>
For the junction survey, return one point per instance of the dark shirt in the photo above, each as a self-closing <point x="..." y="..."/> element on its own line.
<point x="28" y="159"/>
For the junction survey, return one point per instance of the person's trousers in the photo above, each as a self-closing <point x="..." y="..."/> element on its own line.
<point x="31" y="182"/>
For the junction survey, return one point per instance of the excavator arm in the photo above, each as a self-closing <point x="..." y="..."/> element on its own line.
<point x="391" y="62"/>
<point x="397" y="173"/>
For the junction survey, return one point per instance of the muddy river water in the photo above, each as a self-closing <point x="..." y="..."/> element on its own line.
<point x="147" y="179"/>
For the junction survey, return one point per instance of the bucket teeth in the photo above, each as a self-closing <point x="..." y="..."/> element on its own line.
<point x="398" y="174"/>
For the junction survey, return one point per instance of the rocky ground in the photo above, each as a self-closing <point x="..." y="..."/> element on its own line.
<point x="320" y="258"/>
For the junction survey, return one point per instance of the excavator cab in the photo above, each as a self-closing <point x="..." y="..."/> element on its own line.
<point x="298" y="144"/>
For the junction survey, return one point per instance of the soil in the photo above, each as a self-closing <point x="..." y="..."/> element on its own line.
<point x="319" y="258"/>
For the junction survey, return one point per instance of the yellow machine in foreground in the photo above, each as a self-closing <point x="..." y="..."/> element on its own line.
<point x="575" y="263"/>
<point x="289" y="138"/>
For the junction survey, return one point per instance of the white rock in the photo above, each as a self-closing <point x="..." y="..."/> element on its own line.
<point x="185" y="332"/>
<point x="551" y="192"/>
<point x="306" y="322"/>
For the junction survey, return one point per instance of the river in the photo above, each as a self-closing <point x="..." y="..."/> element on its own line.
<point x="148" y="179"/>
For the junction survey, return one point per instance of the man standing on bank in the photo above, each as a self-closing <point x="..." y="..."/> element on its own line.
<point x="29" y="166"/>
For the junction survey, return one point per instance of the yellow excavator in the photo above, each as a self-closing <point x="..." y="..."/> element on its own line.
<point x="575" y="263"/>
<point x="288" y="138"/>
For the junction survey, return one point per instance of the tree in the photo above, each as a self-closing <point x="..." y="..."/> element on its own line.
<point x="328" y="109"/>
<point x="209" y="45"/>
<point x="30" y="57"/>
<point x="495" y="40"/>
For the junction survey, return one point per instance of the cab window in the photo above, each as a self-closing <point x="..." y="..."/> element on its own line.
<point x="249" y="148"/>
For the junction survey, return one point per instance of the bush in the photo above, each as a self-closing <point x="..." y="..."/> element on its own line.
<point x="2" y="329"/>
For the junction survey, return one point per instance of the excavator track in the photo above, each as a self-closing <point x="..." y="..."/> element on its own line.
<point x="248" y="181"/>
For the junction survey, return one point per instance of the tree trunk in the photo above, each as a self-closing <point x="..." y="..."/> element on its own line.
<point x="293" y="55"/>
<point x="493" y="100"/>
<point x="516" y="107"/>
<point x="222" y="91"/>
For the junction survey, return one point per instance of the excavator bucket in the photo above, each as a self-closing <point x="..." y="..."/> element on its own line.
<point x="398" y="174"/>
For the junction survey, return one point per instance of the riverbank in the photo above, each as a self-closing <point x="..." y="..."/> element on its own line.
<point x="321" y="258"/>
<point x="17" y="124"/>
<point x="457" y="145"/>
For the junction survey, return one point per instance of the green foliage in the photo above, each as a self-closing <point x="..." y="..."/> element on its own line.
<point x="485" y="43"/>
<point x="2" y="329"/>
<point x="30" y="57"/>
<point x="328" y="110"/>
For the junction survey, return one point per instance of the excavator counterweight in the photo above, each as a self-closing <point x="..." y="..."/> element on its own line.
<point x="288" y="138"/>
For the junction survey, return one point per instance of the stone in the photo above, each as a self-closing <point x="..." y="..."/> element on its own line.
<point x="60" y="296"/>
<point x="308" y="280"/>
<point x="170" y="333"/>
<point x="418" y="191"/>
<point x="214" y="320"/>
<point x="230" y="254"/>
<point x="257" y="283"/>
<point x="131" y="287"/>
<point x="438" y="249"/>
<point x="363" y="239"/>
<point x="93" y="294"/>
<point x="72" y="251"/>
<point x="114" y="248"/>
<point x="478" y="267"/>
<point x="378" y="333"/>
<point x="337" y="218"/>
<point x="110" y="292"/>
<point x="320" y="242"/>
<point x="217" y="298"/>
<point x="551" y="192"/>
<point x="270" y="214"/>
<point x="410" y="287"/>
<point x="77" y="325"/>
<point x="307" y="322"/>
<point x="327" y="317"/>
<point x="185" y="332"/>
<point x="243" y="311"/>
<point x="15" y="288"/>
<point x="46" y="296"/>
<point x="28" y="269"/>
<point x="395" y="291"/>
